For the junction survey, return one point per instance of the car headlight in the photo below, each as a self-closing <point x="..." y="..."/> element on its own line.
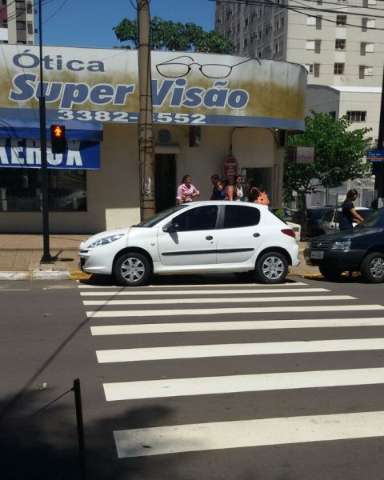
<point x="106" y="240"/>
<point x="343" y="246"/>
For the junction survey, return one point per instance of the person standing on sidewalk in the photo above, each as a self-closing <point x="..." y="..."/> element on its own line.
<point x="349" y="215"/>
<point x="186" y="192"/>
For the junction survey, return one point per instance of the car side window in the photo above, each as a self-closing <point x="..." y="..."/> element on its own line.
<point x="238" y="216"/>
<point x="199" y="218"/>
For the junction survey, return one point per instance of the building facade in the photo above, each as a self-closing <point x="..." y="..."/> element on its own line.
<point x="340" y="44"/>
<point x="17" y="22"/>
<point x="213" y="114"/>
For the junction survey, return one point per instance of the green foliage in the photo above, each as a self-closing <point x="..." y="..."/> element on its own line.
<point x="174" y="36"/>
<point x="339" y="153"/>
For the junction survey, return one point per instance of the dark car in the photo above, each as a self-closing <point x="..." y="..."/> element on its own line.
<point x="314" y="217"/>
<point x="361" y="249"/>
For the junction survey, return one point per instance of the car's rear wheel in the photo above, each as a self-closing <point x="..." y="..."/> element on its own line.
<point x="330" y="273"/>
<point x="372" y="267"/>
<point x="271" y="267"/>
<point x="132" y="269"/>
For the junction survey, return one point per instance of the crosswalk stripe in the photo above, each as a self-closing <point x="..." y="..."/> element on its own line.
<point x="237" y="349"/>
<point x="182" y="387"/>
<point x="247" y="433"/>
<point x="235" y="326"/>
<point x="201" y="292"/>
<point x="198" y="301"/>
<point x="229" y="311"/>
<point x="198" y="285"/>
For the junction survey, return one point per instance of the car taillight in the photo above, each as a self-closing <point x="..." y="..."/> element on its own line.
<point x="289" y="232"/>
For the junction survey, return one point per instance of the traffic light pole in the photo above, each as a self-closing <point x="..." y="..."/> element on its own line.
<point x="145" y="131"/>
<point x="46" y="258"/>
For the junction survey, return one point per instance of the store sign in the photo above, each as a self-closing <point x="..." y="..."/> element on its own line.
<point x="27" y="154"/>
<point x="89" y="85"/>
<point x="375" y="155"/>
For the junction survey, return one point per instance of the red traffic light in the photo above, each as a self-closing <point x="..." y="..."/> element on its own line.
<point x="58" y="140"/>
<point x="58" y="131"/>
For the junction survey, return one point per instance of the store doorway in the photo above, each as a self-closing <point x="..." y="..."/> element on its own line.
<point x="165" y="181"/>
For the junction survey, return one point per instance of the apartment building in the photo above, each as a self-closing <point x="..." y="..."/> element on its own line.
<point x="340" y="42"/>
<point x="17" y="22"/>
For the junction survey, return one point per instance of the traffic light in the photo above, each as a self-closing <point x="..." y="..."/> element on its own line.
<point x="58" y="140"/>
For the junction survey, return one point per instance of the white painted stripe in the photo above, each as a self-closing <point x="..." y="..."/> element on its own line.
<point x="198" y="285"/>
<point x="148" y="328"/>
<point x="201" y="292"/>
<point x="238" y="349"/>
<point x="230" y="311"/>
<point x="247" y="433"/>
<point x="183" y="387"/>
<point x="194" y="301"/>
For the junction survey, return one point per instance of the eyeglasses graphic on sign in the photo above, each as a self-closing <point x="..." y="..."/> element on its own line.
<point x="181" y="66"/>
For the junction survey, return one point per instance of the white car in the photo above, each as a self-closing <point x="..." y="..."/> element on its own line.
<point x="199" y="237"/>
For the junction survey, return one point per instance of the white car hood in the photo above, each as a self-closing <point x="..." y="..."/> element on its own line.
<point x="106" y="233"/>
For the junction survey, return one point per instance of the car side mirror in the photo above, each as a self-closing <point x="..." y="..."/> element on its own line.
<point x="170" y="227"/>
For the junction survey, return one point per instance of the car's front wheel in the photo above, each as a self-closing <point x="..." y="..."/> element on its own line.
<point x="372" y="267"/>
<point x="271" y="267"/>
<point x="132" y="269"/>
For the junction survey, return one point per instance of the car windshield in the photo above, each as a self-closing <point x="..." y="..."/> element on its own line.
<point x="376" y="220"/>
<point x="159" y="217"/>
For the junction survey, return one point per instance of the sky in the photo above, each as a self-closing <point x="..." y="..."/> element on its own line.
<point x="89" y="23"/>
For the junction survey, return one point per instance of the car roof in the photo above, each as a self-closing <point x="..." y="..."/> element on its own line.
<point x="224" y="202"/>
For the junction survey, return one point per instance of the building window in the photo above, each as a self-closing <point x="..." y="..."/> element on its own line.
<point x="30" y="28"/>
<point x="340" y="44"/>
<point x="366" y="48"/>
<point x="332" y="115"/>
<point x="365" y="71"/>
<point x="338" y="68"/>
<point x="341" y="20"/>
<point x="318" y="23"/>
<point x="20" y="25"/>
<point x="367" y="23"/>
<point x="356" y="116"/>
<point x="367" y="3"/>
<point x="311" y="21"/>
<point x="20" y="190"/>
<point x="29" y="8"/>
<point x="313" y="45"/>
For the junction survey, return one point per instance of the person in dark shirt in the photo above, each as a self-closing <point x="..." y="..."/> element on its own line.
<point x="349" y="215"/>
<point x="218" y="188"/>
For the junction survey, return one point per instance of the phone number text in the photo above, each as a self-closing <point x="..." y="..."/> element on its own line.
<point x="127" y="117"/>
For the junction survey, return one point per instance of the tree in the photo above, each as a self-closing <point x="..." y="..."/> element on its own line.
<point x="174" y="36"/>
<point x="339" y="155"/>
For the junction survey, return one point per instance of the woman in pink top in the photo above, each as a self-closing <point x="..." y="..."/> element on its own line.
<point x="186" y="192"/>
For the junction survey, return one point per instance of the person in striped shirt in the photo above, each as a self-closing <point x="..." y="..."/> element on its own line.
<point x="186" y="192"/>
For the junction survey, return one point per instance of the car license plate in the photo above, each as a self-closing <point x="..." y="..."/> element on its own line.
<point x="317" y="255"/>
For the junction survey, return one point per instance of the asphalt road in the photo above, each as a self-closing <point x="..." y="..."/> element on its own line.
<point x="194" y="378"/>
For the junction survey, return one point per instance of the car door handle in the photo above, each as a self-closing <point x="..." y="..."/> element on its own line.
<point x="209" y="237"/>
<point x="256" y="235"/>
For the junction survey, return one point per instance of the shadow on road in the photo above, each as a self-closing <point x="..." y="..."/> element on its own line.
<point x="43" y="446"/>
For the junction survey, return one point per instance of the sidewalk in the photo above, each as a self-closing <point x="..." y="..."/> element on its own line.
<point x="22" y="254"/>
<point x="20" y="257"/>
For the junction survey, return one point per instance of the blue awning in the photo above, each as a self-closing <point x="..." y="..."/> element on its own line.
<point x="23" y="123"/>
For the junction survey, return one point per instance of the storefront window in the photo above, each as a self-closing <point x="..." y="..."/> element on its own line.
<point x="20" y="190"/>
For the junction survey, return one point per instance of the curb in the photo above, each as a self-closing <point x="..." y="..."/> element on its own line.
<point x="44" y="275"/>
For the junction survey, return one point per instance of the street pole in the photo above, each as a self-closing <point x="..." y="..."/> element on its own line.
<point x="378" y="168"/>
<point x="145" y="130"/>
<point x="46" y="258"/>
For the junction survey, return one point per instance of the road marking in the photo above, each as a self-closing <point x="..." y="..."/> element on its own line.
<point x="183" y="387"/>
<point x="235" y="326"/>
<point x="198" y="285"/>
<point x="202" y="292"/>
<point x="229" y="311"/>
<point x="238" y="349"/>
<point x="193" y="301"/>
<point x="247" y="433"/>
